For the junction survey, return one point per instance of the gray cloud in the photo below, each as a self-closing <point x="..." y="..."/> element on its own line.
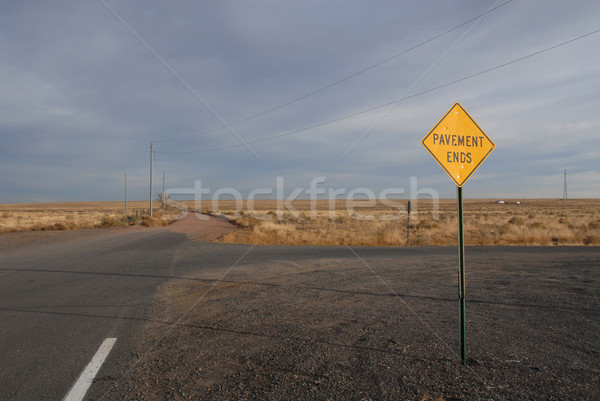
<point x="82" y="96"/>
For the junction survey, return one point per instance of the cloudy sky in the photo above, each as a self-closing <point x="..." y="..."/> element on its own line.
<point x="86" y="85"/>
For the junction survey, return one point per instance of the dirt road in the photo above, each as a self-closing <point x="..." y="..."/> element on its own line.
<point x="201" y="227"/>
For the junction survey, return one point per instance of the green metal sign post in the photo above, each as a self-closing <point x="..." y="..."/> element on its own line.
<point x="462" y="336"/>
<point x="459" y="145"/>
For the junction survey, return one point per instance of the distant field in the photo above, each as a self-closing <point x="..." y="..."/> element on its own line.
<point x="76" y="215"/>
<point x="324" y="222"/>
<point x="515" y="222"/>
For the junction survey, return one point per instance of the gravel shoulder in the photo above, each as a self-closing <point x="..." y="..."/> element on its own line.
<point x="378" y="328"/>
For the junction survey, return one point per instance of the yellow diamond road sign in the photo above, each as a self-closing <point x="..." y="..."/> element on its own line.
<point x="458" y="144"/>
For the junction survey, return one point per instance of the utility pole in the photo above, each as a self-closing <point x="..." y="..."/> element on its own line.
<point x="125" y="194"/>
<point x="151" y="159"/>
<point x="164" y="201"/>
<point x="565" y="186"/>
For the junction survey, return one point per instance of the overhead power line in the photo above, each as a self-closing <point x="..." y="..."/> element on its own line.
<point x="339" y="81"/>
<point x="288" y="133"/>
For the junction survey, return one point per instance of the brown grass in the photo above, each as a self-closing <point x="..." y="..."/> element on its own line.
<point x="532" y="222"/>
<point x="79" y="215"/>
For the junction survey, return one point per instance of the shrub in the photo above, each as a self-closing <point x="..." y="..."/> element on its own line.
<point x="110" y="221"/>
<point x="594" y="225"/>
<point x="244" y="220"/>
<point x="591" y="239"/>
<point x="516" y="220"/>
<point x="427" y="224"/>
<point x="341" y="219"/>
<point x="150" y="221"/>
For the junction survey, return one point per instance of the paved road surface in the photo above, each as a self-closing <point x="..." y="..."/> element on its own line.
<point x="59" y="300"/>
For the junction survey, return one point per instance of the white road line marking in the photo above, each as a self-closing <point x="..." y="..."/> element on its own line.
<point x="86" y="377"/>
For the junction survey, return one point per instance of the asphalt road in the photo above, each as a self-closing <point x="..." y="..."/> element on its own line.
<point x="60" y="300"/>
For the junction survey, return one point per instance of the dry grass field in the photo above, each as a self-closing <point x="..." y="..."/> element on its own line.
<point x="365" y="223"/>
<point x="78" y="215"/>
<point x="358" y="223"/>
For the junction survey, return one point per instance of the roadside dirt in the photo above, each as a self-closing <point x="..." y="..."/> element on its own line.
<point x="377" y="329"/>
